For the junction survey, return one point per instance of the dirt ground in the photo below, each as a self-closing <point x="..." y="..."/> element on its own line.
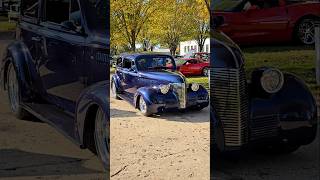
<point x="166" y="146"/>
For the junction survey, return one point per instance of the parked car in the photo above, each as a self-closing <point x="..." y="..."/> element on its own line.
<point x="57" y="69"/>
<point x="150" y="83"/>
<point x="267" y="21"/>
<point x="274" y="111"/>
<point x="204" y="56"/>
<point x="193" y="67"/>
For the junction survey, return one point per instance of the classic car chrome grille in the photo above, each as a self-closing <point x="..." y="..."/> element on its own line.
<point x="180" y="90"/>
<point x="230" y="99"/>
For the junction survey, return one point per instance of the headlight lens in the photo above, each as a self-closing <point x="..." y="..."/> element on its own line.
<point x="194" y="87"/>
<point x="272" y="80"/>
<point x="164" y="89"/>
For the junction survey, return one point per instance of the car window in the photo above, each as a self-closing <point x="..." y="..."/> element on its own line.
<point x="29" y="8"/>
<point x="75" y="14"/>
<point x="119" y="62"/>
<point x="57" y="11"/>
<point x="127" y="63"/>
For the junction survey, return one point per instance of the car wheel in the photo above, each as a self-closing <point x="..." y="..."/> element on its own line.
<point x="205" y="72"/>
<point x="102" y="138"/>
<point x="14" y="94"/>
<point x="305" y="31"/>
<point x="143" y="107"/>
<point x="114" y="93"/>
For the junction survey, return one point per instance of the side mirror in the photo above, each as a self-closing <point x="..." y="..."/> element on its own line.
<point x="69" y="26"/>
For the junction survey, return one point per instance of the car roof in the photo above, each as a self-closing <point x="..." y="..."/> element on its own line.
<point x="135" y="55"/>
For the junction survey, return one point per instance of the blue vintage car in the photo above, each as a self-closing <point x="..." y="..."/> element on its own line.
<point x="272" y="111"/>
<point x="151" y="83"/>
<point x="58" y="69"/>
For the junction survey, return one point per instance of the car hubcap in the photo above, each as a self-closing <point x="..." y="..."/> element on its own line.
<point x="102" y="137"/>
<point x="13" y="89"/>
<point x="143" y="105"/>
<point x="306" y="32"/>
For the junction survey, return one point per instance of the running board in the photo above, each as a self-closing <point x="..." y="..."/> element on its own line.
<point x="60" y="120"/>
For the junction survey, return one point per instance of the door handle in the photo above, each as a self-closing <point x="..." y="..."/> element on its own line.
<point x="36" y="39"/>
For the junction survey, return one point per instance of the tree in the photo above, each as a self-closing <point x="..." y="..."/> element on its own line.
<point x="200" y="21"/>
<point x="128" y="17"/>
<point x="172" y="25"/>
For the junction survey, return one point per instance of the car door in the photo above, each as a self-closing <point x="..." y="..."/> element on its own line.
<point x="62" y="66"/>
<point x="130" y="77"/>
<point x="258" y="21"/>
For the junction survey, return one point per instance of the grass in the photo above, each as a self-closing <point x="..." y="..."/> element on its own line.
<point x="7" y="26"/>
<point x="204" y="81"/>
<point x="299" y="60"/>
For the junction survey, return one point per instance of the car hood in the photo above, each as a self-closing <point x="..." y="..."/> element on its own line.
<point x="163" y="76"/>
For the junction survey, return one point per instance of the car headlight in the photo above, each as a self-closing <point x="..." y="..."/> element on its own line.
<point x="272" y="80"/>
<point x="164" y="89"/>
<point x="194" y="87"/>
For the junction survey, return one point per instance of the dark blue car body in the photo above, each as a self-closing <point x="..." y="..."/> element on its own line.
<point x="244" y="115"/>
<point x="132" y="84"/>
<point x="62" y="72"/>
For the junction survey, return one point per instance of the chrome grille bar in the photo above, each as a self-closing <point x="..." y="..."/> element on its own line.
<point x="180" y="90"/>
<point x="230" y="100"/>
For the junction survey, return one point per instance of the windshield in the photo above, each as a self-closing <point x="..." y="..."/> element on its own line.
<point x="227" y="5"/>
<point x="155" y="62"/>
<point x="97" y="15"/>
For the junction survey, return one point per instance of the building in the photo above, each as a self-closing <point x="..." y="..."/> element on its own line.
<point x="187" y="46"/>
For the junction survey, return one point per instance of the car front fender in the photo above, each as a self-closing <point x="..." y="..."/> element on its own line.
<point x="94" y="97"/>
<point x="147" y="93"/>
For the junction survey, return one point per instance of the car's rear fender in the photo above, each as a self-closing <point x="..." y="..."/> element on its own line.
<point x="18" y="54"/>
<point x="115" y="78"/>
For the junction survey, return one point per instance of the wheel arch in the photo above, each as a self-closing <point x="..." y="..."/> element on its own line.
<point x="18" y="55"/>
<point x="88" y="103"/>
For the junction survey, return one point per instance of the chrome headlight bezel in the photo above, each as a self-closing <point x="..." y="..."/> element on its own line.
<point x="164" y="88"/>
<point x="272" y="80"/>
<point x="195" y="87"/>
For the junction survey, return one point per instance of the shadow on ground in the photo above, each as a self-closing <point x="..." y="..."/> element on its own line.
<point x="249" y="164"/>
<point x="192" y="116"/>
<point x="17" y="163"/>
